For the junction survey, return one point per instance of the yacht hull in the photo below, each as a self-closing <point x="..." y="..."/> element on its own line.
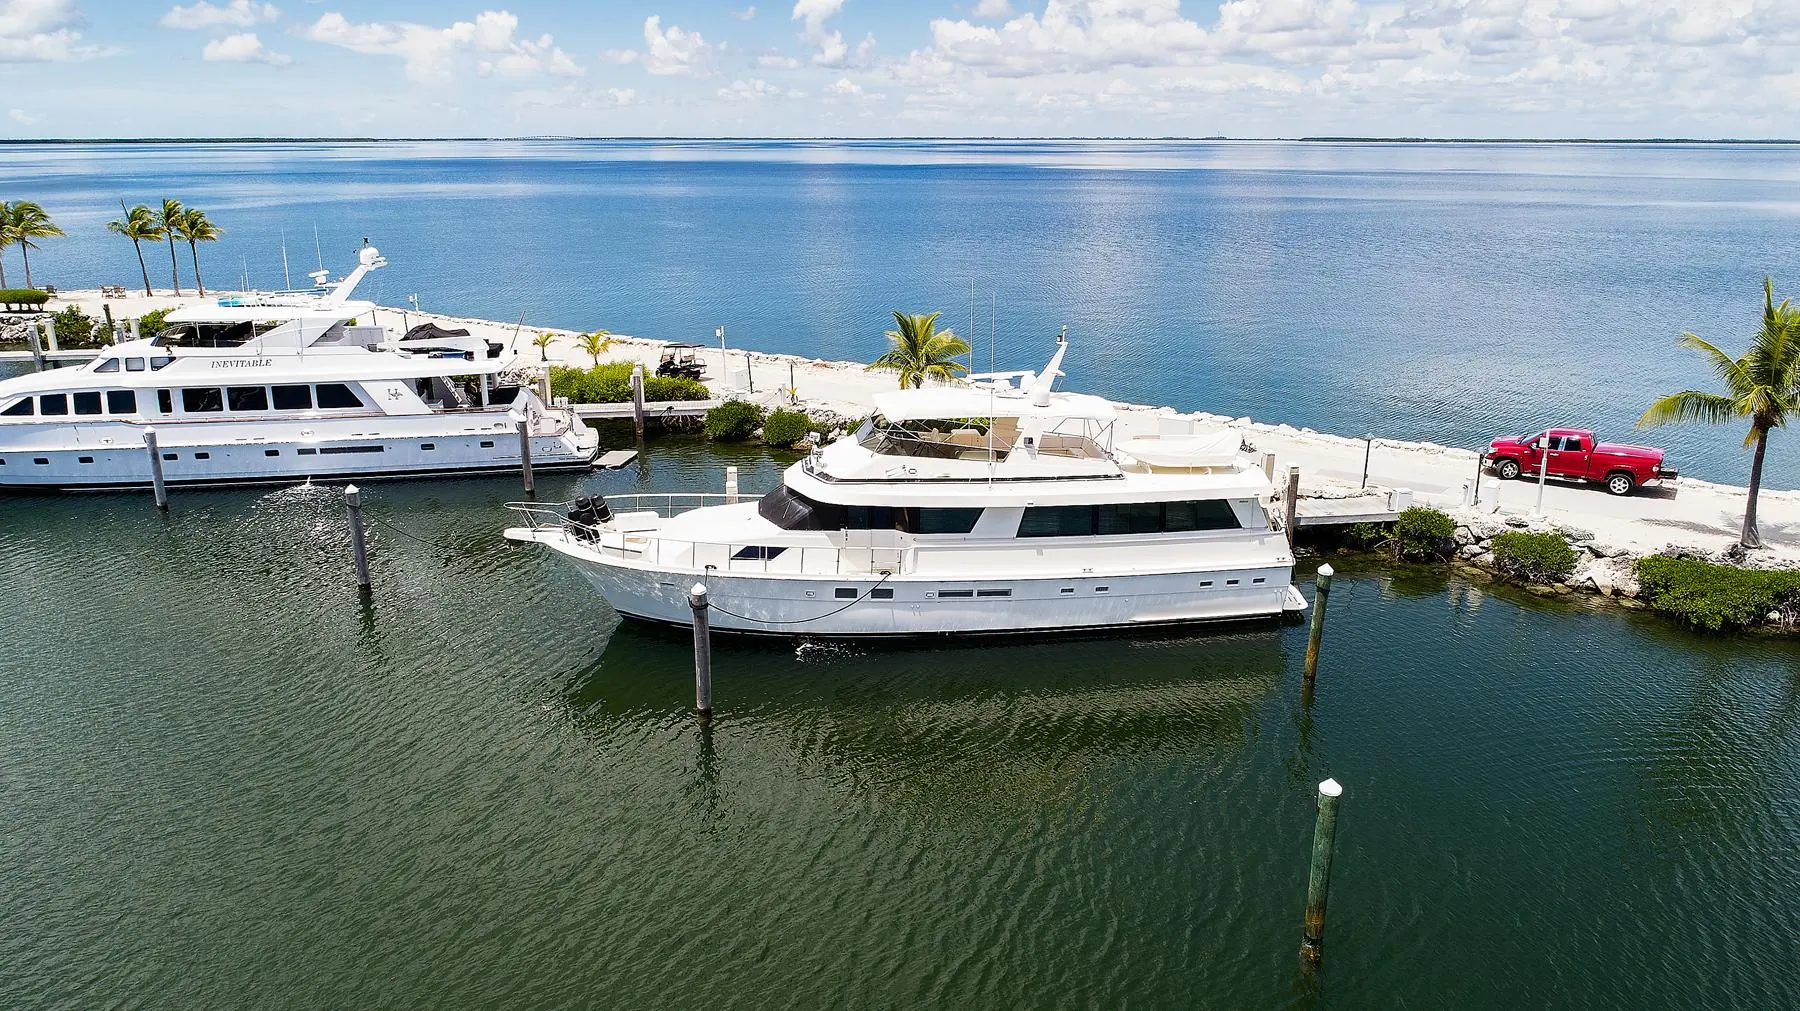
<point x="790" y="606"/>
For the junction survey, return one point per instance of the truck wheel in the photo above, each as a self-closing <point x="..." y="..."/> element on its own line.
<point x="1507" y="469"/>
<point x="1620" y="483"/>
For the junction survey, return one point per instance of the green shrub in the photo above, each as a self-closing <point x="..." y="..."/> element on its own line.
<point x="1367" y="536"/>
<point x="733" y="421"/>
<point x="75" y="329"/>
<point x="1715" y="596"/>
<point x="1534" y="557"/>
<point x="18" y="298"/>
<point x="784" y="428"/>
<point x="610" y="383"/>
<point x="152" y="323"/>
<point x="1425" y="534"/>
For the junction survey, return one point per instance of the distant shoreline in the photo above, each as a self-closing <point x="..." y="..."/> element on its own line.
<point x="1625" y="141"/>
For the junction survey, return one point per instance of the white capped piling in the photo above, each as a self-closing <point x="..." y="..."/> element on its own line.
<point x="1322" y="588"/>
<point x="160" y="489"/>
<point x="132" y="325"/>
<point x="637" y="401"/>
<point x="1268" y="466"/>
<point x="359" y="545"/>
<point x="731" y="485"/>
<point x="37" y="345"/>
<point x="1318" y="878"/>
<point x="524" y="425"/>
<point x="1292" y="503"/>
<point x="702" y="651"/>
<point x="50" y="334"/>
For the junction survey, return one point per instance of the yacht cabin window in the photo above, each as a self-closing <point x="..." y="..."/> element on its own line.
<point x="22" y="409"/>
<point x="336" y="396"/>
<point x="164" y="403"/>
<point x="53" y="404"/>
<point x="160" y="362"/>
<point x="134" y="365"/>
<point x="1127" y="518"/>
<point x="791" y="510"/>
<point x="121" y="402"/>
<point x="248" y="398"/>
<point x="204" y="400"/>
<point x="109" y="365"/>
<point x="292" y="398"/>
<point x="87" y="403"/>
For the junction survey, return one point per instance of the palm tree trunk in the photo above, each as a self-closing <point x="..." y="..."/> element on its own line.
<point x="25" y="251"/>
<point x="135" y="244"/>
<point x="1751" y="538"/>
<point x="194" y="247"/>
<point x="2" y="266"/>
<point x="174" y="271"/>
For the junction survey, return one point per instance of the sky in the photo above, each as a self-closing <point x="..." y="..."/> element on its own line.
<point x="839" y="68"/>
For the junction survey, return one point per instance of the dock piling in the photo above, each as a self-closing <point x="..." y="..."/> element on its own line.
<point x="525" y="457"/>
<point x="1292" y="503"/>
<point x="702" y="651"/>
<point x="50" y="335"/>
<point x="637" y="401"/>
<point x="1322" y="588"/>
<point x="37" y="345"/>
<point x="731" y="485"/>
<point x="132" y="325"/>
<point x="157" y="485"/>
<point x="359" y="545"/>
<point x="1318" y="879"/>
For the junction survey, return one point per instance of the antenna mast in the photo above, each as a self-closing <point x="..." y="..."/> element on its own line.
<point x="287" y="280"/>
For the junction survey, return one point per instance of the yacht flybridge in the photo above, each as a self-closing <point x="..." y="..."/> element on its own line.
<point x="280" y="387"/>
<point x="997" y="506"/>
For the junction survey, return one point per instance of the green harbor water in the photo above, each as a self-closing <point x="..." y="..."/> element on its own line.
<point x="230" y="784"/>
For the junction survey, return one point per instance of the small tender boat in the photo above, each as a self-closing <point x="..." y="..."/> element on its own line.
<point x="981" y="508"/>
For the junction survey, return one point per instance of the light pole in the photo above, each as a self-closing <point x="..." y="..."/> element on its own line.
<point x="1543" y="471"/>
<point x="1368" y="447"/>
<point x="724" y="368"/>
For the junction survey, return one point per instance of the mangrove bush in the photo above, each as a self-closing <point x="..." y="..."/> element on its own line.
<point x="733" y="421"/>
<point x="1424" y="534"/>
<point x="1712" y="596"/>
<point x="1534" y="557"/>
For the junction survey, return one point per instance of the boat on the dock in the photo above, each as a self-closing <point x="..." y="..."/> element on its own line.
<point x="993" y="507"/>
<point x="282" y="387"/>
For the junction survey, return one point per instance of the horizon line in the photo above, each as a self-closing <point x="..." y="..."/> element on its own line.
<point x="1328" y="139"/>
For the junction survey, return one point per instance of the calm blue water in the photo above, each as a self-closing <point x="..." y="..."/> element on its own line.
<point x="1443" y="292"/>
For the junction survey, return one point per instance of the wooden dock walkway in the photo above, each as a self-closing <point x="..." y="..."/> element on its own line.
<point x="654" y="409"/>
<point x="1333" y="512"/>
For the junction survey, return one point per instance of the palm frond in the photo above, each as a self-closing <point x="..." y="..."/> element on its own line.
<point x="1691" y="405"/>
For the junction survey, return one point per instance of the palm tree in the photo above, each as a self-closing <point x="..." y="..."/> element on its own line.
<point x="5" y="240"/>
<point x="195" y="228"/>
<point x="543" y="343"/>
<point x="919" y="349"/>
<point x="138" y="225"/>
<point x="1763" y="385"/>
<point x="596" y="343"/>
<point x="169" y="220"/>
<point x="23" y="222"/>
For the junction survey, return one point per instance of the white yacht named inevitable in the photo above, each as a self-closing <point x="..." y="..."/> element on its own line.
<point x="277" y="388"/>
<point x="990" y="507"/>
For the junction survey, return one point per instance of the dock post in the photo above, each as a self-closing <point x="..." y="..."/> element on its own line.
<point x="1268" y="465"/>
<point x="50" y="334"/>
<point x="1293" y="501"/>
<point x="1318" y="878"/>
<point x="524" y="425"/>
<point x="359" y="546"/>
<point x="157" y="486"/>
<point x="731" y="485"/>
<point x="1322" y="586"/>
<point x="37" y="345"/>
<point x="793" y="390"/>
<point x="637" y="402"/>
<point x="1368" y="448"/>
<point x="702" y="652"/>
<point x="132" y="325"/>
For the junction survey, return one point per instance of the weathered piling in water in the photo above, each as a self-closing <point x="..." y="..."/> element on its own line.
<point x="637" y="401"/>
<point x="132" y="325"/>
<point x="702" y="651"/>
<point x="731" y="485"/>
<point x="37" y="345"/>
<point x="157" y="486"/>
<point x="50" y="335"/>
<point x="1293" y="501"/>
<point x="1318" y="878"/>
<point x="359" y="545"/>
<point x="1322" y="587"/>
<point x="525" y="473"/>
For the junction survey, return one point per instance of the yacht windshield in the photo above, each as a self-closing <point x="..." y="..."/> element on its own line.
<point x="983" y="439"/>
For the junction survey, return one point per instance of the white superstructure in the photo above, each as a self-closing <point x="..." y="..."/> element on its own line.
<point x="991" y="507"/>
<point x="281" y="387"/>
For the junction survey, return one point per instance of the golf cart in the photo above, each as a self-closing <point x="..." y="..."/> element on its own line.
<point x="681" y="360"/>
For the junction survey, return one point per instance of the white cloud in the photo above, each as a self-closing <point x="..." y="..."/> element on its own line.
<point x="243" y="47"/>
<point x="992" y="9"/>
<point x="745" y="14"/>
<point x="756" y="90"/>
<point x="845" y="90"/>
<point x="42" y="31"/>
<point x="833" y="51"/>
<point x="675" y="53"/>
<point x="432" y="54"/>
<point x="23" y="118"/>
<point x="776" y="61"/>
<point x="237" y="14"/>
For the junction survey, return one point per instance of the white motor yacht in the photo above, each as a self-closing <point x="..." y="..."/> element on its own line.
<point x="277" y="388"/>
<point x="982" y="508"/>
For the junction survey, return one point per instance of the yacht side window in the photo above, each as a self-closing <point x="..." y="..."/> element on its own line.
<point x="87" y="403"/>
<point x="248" y="398"/>
<point x="164" y="403"/>
<point x="22" y="409"/>
<point x="109" y="365"/>
<point x="53" y="403"/>
<point x="161" y="362"/>
<point x="336" y="396"/>
<point x="121" y="402"/>
<point x="202" y="400"/>
<point x="292" y="398"/>
<point x="134" y="365"/>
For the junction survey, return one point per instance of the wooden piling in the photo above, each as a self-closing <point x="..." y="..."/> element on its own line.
<point x="1322" y="588"/>
<point x="157" y="485"/>
<point x="731" y="485"/>
<point x="37" y="345"/>
<point x="359" y="545"/>
<point x="702" y="651"/>
<point x="525" y="473"/>
<point x="132" y="325"/>
<point x="1318" y="879"/>
<point x="50" y="335"/>
<point x="637" y="401"/>
<point x="1293" y="501"/>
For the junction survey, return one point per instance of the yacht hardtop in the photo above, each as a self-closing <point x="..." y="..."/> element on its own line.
<point x="988" y="507"/>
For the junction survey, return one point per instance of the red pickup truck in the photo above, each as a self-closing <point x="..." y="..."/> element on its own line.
<point x="1575" y="456"/>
